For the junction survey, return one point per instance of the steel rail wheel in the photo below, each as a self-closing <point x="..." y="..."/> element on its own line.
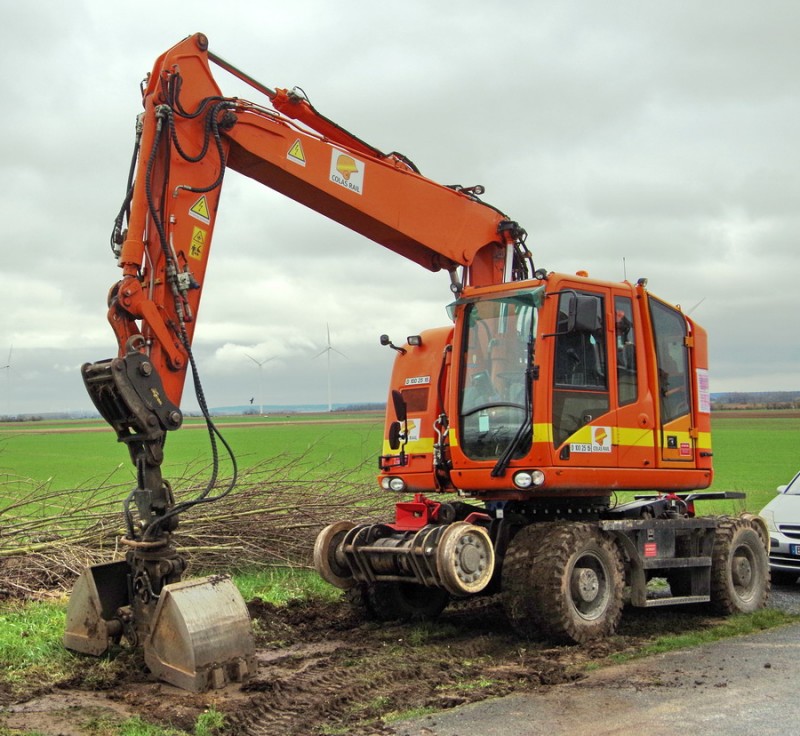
<point x="739" y="568"/>
<point x="326" y="563"/>
<point x="564" y="582"/>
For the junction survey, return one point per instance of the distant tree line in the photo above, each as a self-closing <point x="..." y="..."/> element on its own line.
<point x="377" y="406"/>
<point x="22" y="418"/>
<point x="756" y="400"/>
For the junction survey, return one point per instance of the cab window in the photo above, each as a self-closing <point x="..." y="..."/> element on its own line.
<point x="672" y="357"/>
<point x="580" y="374"/>
<point x="625" y="337"/>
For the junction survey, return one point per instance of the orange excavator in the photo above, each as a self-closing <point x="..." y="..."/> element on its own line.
<point x="546" y="396"/>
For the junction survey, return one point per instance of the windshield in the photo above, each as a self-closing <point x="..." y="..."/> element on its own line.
<point x="793" y="489"/>
<point x="497" y="353"/>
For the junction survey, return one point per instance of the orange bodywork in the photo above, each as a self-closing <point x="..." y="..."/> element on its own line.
<point x="626" y="444"/>
<point x="177" y="187"/>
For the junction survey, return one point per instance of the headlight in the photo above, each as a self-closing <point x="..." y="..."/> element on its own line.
<point x="527" y="478"/>
<point x="397" y="484"/>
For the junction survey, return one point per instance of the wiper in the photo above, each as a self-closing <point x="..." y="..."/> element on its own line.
<point x="525" y="428"/>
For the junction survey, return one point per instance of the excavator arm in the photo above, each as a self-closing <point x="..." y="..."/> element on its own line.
<point x="190" y="135"/>
<point x="187" y="136"/>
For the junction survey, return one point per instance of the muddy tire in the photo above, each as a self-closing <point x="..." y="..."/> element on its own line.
<point x="739" y="568"/>
<point x="564" y="581"/>
<point x="398" y="601"/>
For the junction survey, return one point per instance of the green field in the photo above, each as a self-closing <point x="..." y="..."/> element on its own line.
<point x="55" y="456"/>
<point x="752" y="453"/>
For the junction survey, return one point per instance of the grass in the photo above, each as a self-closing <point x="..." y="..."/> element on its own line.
<point x="30" y="641"/>
<point x="74" y="460"/>
<point x="736" y="625"/>
<point x="753" y="455"/>
<point x="281" y="585"/>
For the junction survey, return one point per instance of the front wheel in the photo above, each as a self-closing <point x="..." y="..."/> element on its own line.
<point x="739" y="568"/>
<point x="565" y="582"/>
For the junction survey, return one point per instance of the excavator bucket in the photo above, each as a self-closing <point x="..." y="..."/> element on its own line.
<point x="201" y="636"/>
<point x="99" y="592"/>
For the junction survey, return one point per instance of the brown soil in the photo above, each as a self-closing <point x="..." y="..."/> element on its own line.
<point x="325" y="670"/>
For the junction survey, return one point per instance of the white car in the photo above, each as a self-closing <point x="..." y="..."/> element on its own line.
<point x="782" y="515"/>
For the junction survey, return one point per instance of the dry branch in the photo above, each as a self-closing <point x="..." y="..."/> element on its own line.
<point x="271" y="518"/>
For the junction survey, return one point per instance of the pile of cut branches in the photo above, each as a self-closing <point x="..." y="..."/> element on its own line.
<point x="271" y="518"/>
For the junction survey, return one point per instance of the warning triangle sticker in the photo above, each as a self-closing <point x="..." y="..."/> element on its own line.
<point x="200" y="210"/>
<point x="198" y="243"/>
<point x="296" y="153"/>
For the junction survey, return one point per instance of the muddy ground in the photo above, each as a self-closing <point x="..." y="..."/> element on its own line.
<point x="323" y="669"/>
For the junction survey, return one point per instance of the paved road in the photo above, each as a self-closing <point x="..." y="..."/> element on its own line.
<point x="738" y="687"/>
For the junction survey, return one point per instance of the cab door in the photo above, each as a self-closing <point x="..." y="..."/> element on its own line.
<point x="583" y="420"/>
<point x="677" y="439"/>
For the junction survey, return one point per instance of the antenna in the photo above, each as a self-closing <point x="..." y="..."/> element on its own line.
<point x="695" y="306"/>
<point x="328" y="350"/>
<point x="260" y="364"/>
<point x="624" y="269"/>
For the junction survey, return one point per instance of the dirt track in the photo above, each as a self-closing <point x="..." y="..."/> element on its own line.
<point x="325" y="670"/>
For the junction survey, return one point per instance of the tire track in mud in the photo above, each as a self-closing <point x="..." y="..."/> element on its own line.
<point x="324" y="669"/>
<point x="319" y="692"/>
<point x="351" y="681"/>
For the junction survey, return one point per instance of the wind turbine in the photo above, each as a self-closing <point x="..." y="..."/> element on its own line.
<point x="260" y="364"/>
<point x="328" y="350"/>
<point x="7" y="368"/>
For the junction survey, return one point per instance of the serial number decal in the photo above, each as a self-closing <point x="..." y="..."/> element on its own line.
<point x="601" y="442"/>
<point x="418" y="380"/>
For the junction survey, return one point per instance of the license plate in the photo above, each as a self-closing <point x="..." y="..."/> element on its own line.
<point x="794" y="549"/>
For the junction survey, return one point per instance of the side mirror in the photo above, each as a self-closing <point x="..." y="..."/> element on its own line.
<point x="395" y="430"/>
<point x="586" y="316"/>
<point x="400" y="409"/>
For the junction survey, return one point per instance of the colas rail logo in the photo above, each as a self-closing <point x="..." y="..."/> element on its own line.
<point x="347" y="172"/>
<point x="601" y="439"/>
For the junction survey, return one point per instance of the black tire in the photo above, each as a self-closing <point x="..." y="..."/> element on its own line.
<point x="398" y="601"/>
<point x="564" y="582"/>
<point x="739" y="568"/>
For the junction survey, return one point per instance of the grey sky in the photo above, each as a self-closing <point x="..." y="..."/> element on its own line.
<point x="661" y="136"/>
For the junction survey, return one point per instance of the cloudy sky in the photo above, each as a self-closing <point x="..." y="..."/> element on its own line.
<point x="629" y="138"/>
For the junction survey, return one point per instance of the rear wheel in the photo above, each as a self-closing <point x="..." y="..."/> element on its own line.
<point x="739" y="568"/>
<point x="565" y="581"/>
<point x="395" y="601"/>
